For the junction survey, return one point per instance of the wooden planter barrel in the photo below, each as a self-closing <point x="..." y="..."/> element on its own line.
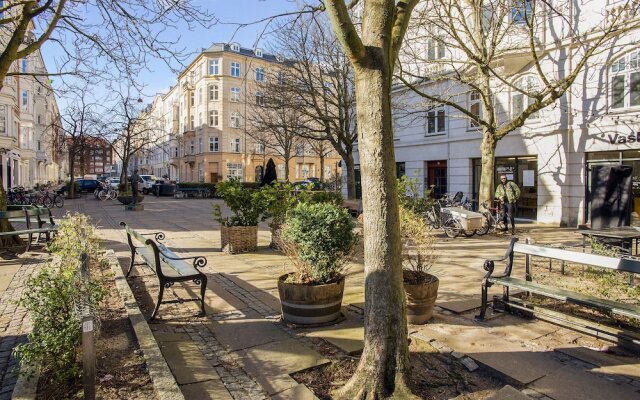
<point x="310" y="304"/>
<point x="239" y="239"/>
<point x="421" y="298"/>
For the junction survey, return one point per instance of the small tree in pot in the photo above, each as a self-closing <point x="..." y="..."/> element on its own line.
<point x="419" y="255"/>
<point x="319" y="240"/>
<point x="239" y="232"/>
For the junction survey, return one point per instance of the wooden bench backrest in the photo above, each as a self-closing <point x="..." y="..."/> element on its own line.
<point x="12" y="214"/>
<point x="618" y="264"/>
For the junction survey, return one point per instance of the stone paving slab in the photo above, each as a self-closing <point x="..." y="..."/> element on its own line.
<point x="598" y="358"/>
<point x="461" y="306"/>
<point x="523" y="367"/>
<point x="347" y="335"/>
<point x="270" y="364"/>
<point x="209" y="390"/>
<point x="299" y="392"/>
<point x="186" y="362"/>
<point x="7" y="271"/>
<point x="570" y="383"/>
<point x="243" y="333"/>
<point x="510" y="393"/>
<point x="270" y="298"/>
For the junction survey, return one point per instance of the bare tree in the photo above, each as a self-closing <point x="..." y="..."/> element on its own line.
<point x="464" y="55"/>
<point x="322" y="149"/>
<point x="373" y="50"/>
<point x="319" y="83"/>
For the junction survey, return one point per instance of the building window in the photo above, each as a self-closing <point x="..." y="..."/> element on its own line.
<point x="435" y="49"/>
<point x="281" y="78"/>
<point x="259" y="99"/>
<point x="436" y="121"/>
<point x="200" y="149"/>
<point x="235" y="145"/>
<point x="201" y="172"/>
<point x="213" y="118"/>
<point x="193" y="122"/>
<point x="520" y="101"/>
<point x="24" y="65"/>
<point x="474" y="108"/>
<point x="259" y="74"/>
<point x="259" y="53"/>
<point x="235" y="94"/>
<point x="625" y="81"/>
<point x="213" y="92"/>
<point x="214" y="67"/>
<point x="214" y="145"/>
<point x="299" y="150"/>
<point x="192" y="97"/>
<point x="39" y="119"/>
<point x="235" y="47"/>
<point x="199" y="95"/>
<point x="259" y="148"/>
<point x="235" y="69"/>
<point x="3" y="120"/>
<point x="235" y="119"/>
<point x="192" y="148"/>
<point x="200" y="121"/>
<point x="25" y="100"/>
<point x="521" y="11"/>
<point x="234" y="171"/>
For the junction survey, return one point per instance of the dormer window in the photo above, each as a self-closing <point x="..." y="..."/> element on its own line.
<point x="259" y="53"/>
<point x="235" y="47"/>
<point x="279" y="58"/>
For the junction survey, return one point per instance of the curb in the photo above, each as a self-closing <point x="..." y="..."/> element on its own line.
<point x="26" y="387"/>
<point x="164" y="384"/>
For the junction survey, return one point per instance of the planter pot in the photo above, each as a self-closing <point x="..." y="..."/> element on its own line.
<point x="126" y="200"/>
<point x="421" y="298"/>
<point x="239" y="239"/>
<point x="310" y="304"/>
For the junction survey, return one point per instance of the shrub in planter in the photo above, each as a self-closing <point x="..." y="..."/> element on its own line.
<point x="239" y="231"/>
<point x="418" y="256"/>
<point x="319" y="240"/>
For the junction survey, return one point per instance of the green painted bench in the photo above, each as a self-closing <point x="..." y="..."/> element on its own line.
<point x="30" y="217"/>
<point x="168" y="267"/>
<point x="505" y="279"/>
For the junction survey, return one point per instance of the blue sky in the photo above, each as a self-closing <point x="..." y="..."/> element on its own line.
<point x="228" y="12"/>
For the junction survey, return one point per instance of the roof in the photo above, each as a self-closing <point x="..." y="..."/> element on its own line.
<point x="216" y="47"/>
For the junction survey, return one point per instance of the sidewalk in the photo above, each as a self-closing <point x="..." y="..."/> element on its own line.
<point x="241" y="350"/>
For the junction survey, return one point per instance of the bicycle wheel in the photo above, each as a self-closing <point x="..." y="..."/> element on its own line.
<point x="486" y="225"/>
<point x="469" y="233"/>
<point x="452" y="228"/>
<point x="46" y="201"/>
<point x="58" y="201"/>
<point x="103" y="195"/>
<point x="113" y="194"/>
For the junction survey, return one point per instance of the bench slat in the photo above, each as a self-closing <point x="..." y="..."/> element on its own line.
<point x="568" y="296"/>
<point x="618" y="264"/>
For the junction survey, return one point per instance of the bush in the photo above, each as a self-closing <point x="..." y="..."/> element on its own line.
<point x="53" y="297"/>
<point x="418" y="246"/>
<point x="76" y="187"/>
<point x="319" y="240"/>
<point x="249" y="206"/>
<point x="409" y="196"/>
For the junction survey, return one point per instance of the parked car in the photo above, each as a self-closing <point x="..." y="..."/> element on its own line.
<point x="309" y="183"/>
<point x="114" y="183"/>
<point x="147" y="183"/>
<point x="87" y="185"/>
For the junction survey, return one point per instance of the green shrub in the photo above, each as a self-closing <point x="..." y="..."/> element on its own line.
<point x="319" y="239"/>
<point x="53" y="297"/>
<point x="409" y="195"/>
<point x="312" y="196"/>
<point x="205" y="185"/>
<point x="249" y="206"/>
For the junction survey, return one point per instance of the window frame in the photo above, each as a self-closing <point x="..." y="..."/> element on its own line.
<point x="624" y="76"/>
<point x="235" y="94"/>
<point x="214" y="66"/>
<point x="259" y="74"/>
<point x="214" y="92"/>
<point x="438" y="112"/>
<point x="234" y="118"/>
<point x="235" y="69"/>
<point x="214" y="118"/>
<point x="471" y="101"/>
<point x="214" y="144"/>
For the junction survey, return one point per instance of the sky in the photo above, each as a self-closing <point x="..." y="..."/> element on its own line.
<point x="230" y="13"/>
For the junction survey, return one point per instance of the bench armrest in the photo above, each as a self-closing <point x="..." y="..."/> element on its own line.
<point x="159" y="235"/>
<point x="198" y="261"/>
<point x="489" y="265"/>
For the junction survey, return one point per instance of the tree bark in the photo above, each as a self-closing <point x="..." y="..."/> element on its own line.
<point x="384" y="363"/>
<point x="351" y="176"/>
<point x="488" y="152"/>
<point x="72" y="191"/>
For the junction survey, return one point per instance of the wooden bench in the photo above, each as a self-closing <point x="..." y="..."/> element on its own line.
<point x="168" y="267"/>
<point x="182" y="192"/>
<point x="527" y="285"/>
<point x="30" y="216"/>
<point x="354" y="206"/>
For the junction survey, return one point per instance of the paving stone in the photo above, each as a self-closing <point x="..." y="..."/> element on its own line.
<point x="247" y="332"/>
<point x="469" y="364"/>
<point x="186" y="362"/>
<point x="162" y="337"/>
<point x="569" y="383"/>
<point x="210" y="390"/>
<point x="461" y="306"/>
<point x="299" y="392"/>
<point x="523" y="367"/>
<point x="509" y="393"/>
<point x="607" y="364"/>
<point x="344" y="335"/>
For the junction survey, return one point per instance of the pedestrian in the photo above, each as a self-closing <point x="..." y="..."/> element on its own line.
<point x="508" y="193"/>
<point x="133" y="179"/>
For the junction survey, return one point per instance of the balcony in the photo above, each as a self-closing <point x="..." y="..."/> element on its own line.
<point x="189" y="158"/>
<point x="8" y="142"/>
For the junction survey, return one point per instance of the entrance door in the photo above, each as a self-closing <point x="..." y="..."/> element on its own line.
<point x="437" y="177"/>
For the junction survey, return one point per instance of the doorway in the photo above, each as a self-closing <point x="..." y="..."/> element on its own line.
<point x="436" y="177"/>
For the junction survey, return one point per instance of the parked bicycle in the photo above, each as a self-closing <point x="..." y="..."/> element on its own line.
<point x="438" y="217"/>
<point x="494" y="218"/>
<point x="105" y="192"/>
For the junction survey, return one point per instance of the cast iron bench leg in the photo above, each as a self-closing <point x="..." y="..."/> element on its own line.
<point x="133" y="258"/>
<point x="203" y="288"/>
<point x="483" y="307"/>
<point x="155" y="311"/>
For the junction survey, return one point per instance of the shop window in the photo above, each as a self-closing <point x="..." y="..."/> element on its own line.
<point x="625" y="81"/>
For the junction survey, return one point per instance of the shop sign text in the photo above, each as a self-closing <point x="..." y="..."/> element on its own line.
<point x="624" y="139"/>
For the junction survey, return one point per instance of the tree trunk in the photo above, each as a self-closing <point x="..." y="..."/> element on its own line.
<point x="5" y="225"/>
<point x="384" y="363"/>
<point x="286" y="169"/>
<point x="321" y="168"/>
<point x="72" y="191"/>
<point x="351" y="176"/>
<point x="488" y="152"/>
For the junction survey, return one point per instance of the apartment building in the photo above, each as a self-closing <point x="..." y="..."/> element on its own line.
<point x="94" y="156"/>
<point x="205" y="135"/>
<point x="30" y="145"/>
<point x="553" y="156"/>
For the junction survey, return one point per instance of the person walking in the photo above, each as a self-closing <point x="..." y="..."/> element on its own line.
<point x="508" y="193"/>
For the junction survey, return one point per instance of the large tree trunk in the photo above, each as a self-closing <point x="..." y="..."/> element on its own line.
<point x="351" y="176"/>
<point x="321" y="167"/>
<point x="488" y="152"/>
<point x="286" y="169"/>
<point x="384" y="363"/>
<point x="72" y="191"/>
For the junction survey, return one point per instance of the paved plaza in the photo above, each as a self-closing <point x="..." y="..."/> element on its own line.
<point x="241" y="350"/>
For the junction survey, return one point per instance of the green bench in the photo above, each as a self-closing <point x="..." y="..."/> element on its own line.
<point x="508" y="282"/>
<point x="168" y="267"/>
<point x="31" y="218"/>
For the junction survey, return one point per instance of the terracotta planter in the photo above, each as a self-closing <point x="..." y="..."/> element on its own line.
<point x="421" y="298"/>
<point x="239" y="239"/>
<point x="310" y="304"/>
<point x="126" y="200"/>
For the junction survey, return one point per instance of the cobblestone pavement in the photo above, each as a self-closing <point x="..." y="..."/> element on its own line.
<point x="14" y="322"/>
<point x="241" y="288"/>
